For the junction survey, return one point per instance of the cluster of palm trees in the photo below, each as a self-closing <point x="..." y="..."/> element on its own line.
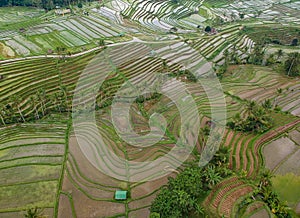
<point x="16" y="109"/>
<point x="183" y="194"/>
<point x="256" y="118"/>
<point x="264" y="192"/>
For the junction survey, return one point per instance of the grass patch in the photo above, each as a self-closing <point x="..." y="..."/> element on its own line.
<point x="274" y="34"/>
<point x="20" y="197"/>
<point x="287" y="187"/>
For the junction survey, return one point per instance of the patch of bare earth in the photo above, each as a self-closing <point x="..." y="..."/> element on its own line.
<point x="64" y="206"/>
<point x="140" y="213"/>
<point x="89" y="208"/>
<point x="261" y="214"/>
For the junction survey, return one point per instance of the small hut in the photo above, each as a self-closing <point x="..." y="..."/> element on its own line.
<point x="120" y="195"/>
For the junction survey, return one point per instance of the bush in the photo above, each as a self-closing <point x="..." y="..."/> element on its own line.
<point x="207" y="29"/>
<point x="294" y="42"/>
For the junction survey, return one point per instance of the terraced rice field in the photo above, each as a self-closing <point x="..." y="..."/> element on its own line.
<point x="213" y="47"/>
<point x="285" y="165"/>
<point x="49" y="32"/>
<point x="42" y="160"/>
<point x="225" y="195"/>
<point x="260" y="84"/>
<point x="162" y="16"/>
<point x="31" y="165"/>
<point x="81" y="181"/>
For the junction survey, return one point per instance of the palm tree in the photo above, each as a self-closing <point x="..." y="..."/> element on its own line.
<point x="267" y="104"/>
<point x="41" y="96"/>
<point x="226" y="55"/>
<point x="279" y="53"/>
<point x="198" y="209"/>
<point x="265" y="179"/>
<point x="223" y="154"/>
<point x="212" y="176"/>
<point x="101" y="42"/>
<point x="64" y="96"/>
<point x="15" y="100"/>
<point x="2" y="113"/>
<point x="250" y="107"/>
<point x="33" y="101"/>
<point x="34" y="213"/>
<point x="165" y="65"/>
<point x="292" y="64"/>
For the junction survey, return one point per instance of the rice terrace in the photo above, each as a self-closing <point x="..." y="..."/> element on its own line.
<point x="150" y="108"/>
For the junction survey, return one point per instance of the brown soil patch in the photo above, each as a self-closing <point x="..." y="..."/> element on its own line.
<point x="261" y="214"/>
<point x="88" y="208"/>
<point x="145" y="212"/>
<point x="142" y="202"/>
<point x="254" y="206"/>
<point x="64" y="207"/>
<point x="148" y="187"/>
<point x="86" y="168"/>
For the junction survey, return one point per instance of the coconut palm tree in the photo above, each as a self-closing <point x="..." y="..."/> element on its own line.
<point x="34" y="213"/>
<point x="279" y="53"/>
<point x="212" y="176"/>
<point x="165" y="65"/>
<point x="64" y="96"/>
<point x="15" y="101"/>
<point x="2" y="113"/>
<point x="41" y="95"/>
<point x="267" y="104"/>
<point x="33" y="102"/>
<point x="250" y="107"/>
<point x="265" y="179"/>
<point x="292" y="64"/>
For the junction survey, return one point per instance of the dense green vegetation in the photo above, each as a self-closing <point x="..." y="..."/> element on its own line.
<point x="256" y="118"/>
<point x="184" y="194"/>
<point x="274" y="34"/>
<point x="265" y="192"/>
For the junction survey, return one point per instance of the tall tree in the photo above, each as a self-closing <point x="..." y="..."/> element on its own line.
<point x="15" y="101"/>
<point x="33" y="102"/>
<point x="2" y="113"/>
<point x="292" y="64"/>
<point x="279" y="53"/>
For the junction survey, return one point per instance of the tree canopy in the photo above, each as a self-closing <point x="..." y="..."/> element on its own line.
<point x="182" y="196"/>
<point x="292" y="64"/>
